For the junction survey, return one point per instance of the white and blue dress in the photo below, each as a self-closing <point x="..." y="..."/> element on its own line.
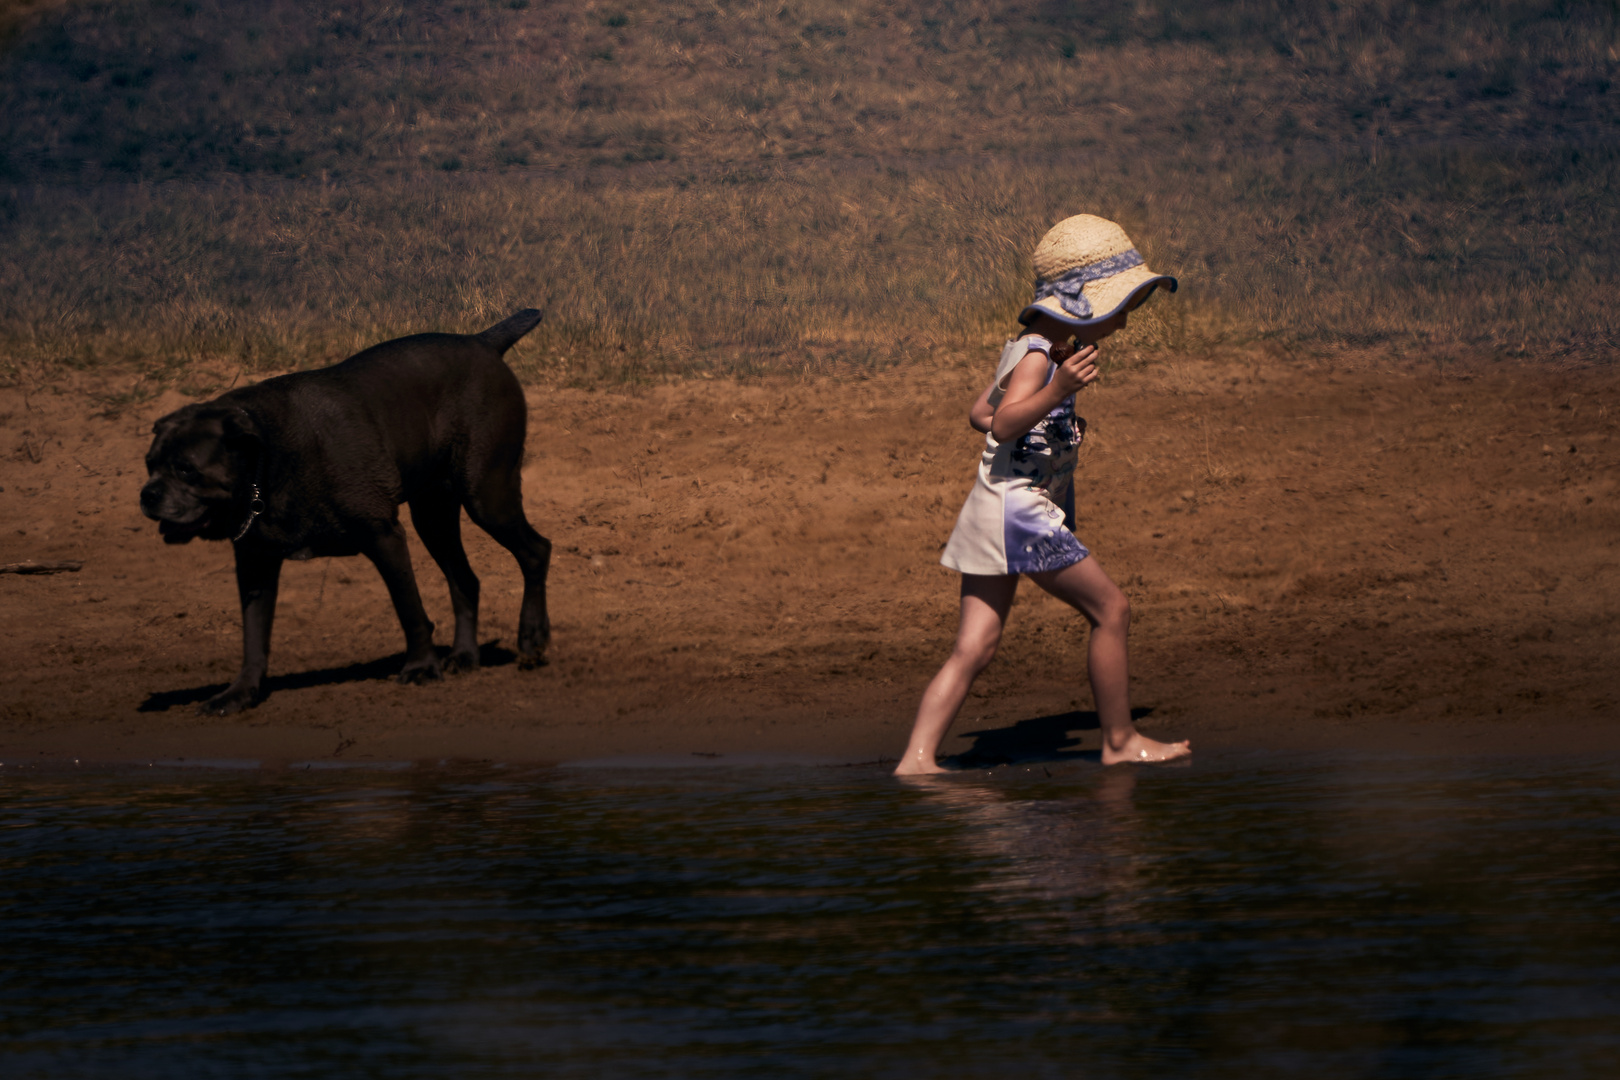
<point x="1018" y="517"/>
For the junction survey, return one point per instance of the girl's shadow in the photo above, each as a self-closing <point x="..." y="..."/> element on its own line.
<point x="1043" y="738"/>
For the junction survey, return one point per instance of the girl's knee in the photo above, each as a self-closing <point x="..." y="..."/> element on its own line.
<point x="1114" y="613"/>
<point x="975" y="653"/>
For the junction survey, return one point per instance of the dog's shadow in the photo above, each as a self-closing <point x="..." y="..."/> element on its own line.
<point x="1039" y="739"/>
<point x="490" y="654"/>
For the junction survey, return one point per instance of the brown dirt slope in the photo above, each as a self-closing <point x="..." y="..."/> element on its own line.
<point x="1318" y="552"/>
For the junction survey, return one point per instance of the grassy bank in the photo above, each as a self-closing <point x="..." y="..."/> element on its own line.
<point x="741" y="187"/>
<point x="1446" y="251"/>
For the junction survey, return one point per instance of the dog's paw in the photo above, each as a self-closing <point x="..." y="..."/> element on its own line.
<point x="532" y="644"/>
<point x="421" y="671"/>
<point x="461" y="661"/>
<point x="230" y="702"/>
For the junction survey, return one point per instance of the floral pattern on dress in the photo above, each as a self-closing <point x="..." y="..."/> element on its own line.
<point x="1034" y="536"/>
<point x="1047" y="454"/>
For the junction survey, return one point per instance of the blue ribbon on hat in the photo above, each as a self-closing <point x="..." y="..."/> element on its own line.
<point x="1067" y="287"/>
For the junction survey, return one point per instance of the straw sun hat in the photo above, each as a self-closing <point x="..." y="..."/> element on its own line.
<point x="1086" y="271"/>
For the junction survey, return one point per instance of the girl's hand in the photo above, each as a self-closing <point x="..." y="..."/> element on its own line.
<point x="982" y="413"/>
<point x="1077" y="370"/>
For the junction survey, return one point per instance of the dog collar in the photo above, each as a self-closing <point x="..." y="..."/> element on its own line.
<point x="255" y="508"/>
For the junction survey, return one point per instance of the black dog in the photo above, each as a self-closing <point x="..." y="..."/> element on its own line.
<point x="316" y="463"/>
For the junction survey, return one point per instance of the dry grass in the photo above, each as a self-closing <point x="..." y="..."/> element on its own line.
<point x="748" y="186"/>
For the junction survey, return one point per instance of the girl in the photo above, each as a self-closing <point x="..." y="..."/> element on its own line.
<point x="1017" y="518"/>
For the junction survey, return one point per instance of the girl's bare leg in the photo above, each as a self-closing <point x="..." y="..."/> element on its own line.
<point x="985" y="602"/>
<point x="1085" y="587"/>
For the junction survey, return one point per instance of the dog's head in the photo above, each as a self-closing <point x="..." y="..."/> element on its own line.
<point x="200" y="472"/>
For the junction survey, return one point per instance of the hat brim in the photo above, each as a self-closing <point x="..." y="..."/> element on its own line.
<point x="1124" y="291"/>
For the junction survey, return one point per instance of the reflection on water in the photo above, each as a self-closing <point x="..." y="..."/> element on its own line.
<point x="1250" y="915"/>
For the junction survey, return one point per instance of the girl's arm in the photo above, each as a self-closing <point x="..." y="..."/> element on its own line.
<point x="1030" y="397"/>
<point x="982" y="412"/>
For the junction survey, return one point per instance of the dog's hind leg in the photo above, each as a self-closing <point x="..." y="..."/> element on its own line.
<point x="437" y="516"/>
<point x="388" y="552"/>
<point x="497" y="508"/>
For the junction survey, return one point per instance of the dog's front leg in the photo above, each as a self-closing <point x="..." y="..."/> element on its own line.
<point x="392" y="557"/>
<point x="258" y="574"/>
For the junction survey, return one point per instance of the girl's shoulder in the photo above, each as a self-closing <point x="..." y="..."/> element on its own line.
<point x="1013" y="353"/>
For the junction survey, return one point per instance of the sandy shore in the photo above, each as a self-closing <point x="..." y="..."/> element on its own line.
<point x="1320" y="554"/>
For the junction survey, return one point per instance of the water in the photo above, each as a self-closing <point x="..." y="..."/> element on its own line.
<point x="1247" y="916"/>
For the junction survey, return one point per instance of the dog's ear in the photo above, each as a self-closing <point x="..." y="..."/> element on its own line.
<point x="241" y="430"/>
<point x="165" y="422"/>
<point x="242" y="439"/>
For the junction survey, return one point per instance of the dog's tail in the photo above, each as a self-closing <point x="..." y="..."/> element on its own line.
<point x="503" y="335"/>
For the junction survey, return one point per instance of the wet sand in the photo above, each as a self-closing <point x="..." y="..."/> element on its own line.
<point x="1349" y="552"/>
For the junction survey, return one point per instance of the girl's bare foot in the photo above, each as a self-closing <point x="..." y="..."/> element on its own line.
<point x="1141" y="749"/>
<point x="918" y="763"/>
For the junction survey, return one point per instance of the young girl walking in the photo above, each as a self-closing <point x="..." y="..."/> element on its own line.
<point x="1018" y="517"/>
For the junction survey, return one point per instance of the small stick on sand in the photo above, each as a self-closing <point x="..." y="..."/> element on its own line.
<point x="70" y="566"/>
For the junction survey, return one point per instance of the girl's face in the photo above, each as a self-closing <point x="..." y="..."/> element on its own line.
<point x="1090" y="335"/>
<point x="1058" y="332"/>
